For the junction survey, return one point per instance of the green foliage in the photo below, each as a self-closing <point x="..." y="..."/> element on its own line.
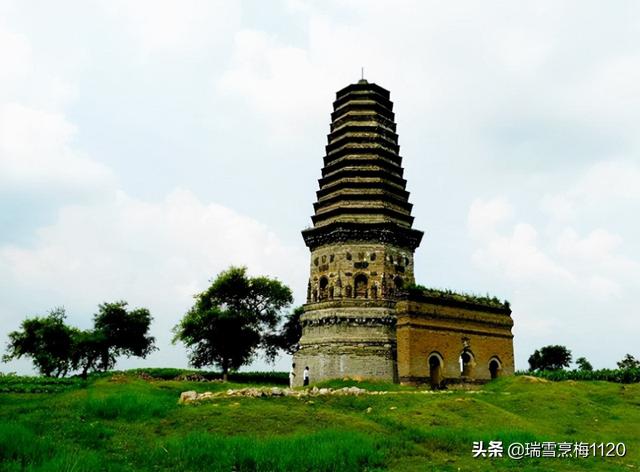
<point x="629" y="362"/>
<point x="328" y="450"/>
<point x="46" y="340"/>
<point x="117" y="332"/>
<point x="18" y="384"/>
<point x="624" y="376"/>
<point x="56" y="348"/>
<point x="551" y="357"/>
<point x="230" y="320"/>
<point x="583" y="364"/>
<point x="288" y="338"/>
<point x="487" y="300"/>
<point x="276" y="378"/>
<point x="130" y="406"/>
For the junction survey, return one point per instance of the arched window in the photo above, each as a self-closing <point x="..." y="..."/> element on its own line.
<point x="331" y="292"/>
<point x="466" y="363"/>
<point x="347" y="291"/>
<point x="398" y="282"/>
<point x="374" y="291"/>
<point x="361" y="283"/>
<point x="323" y="287"/>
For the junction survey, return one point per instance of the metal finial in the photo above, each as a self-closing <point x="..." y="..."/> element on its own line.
<point x="362" y="73"/>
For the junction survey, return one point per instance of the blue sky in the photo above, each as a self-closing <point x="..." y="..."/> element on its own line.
<point x="145" y="146"/>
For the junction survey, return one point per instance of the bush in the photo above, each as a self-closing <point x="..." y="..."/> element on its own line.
<point x="19" y="384"/>
<point x="280" y="378"/>
<point x="609" y="375"/>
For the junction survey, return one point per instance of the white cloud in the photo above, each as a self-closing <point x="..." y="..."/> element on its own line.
<point x="15" y="58"/>
<point x="175" y="26"/>
<point x="36" y="151"/>
<point x="562" y="257"/>
<point x="275" y="80"/>
<point x="485" y="215"/>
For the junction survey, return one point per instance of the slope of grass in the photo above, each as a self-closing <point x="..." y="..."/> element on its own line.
<point x="124" y="423"/>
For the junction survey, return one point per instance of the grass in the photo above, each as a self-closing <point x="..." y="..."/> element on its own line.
<point x="125" y="423"/>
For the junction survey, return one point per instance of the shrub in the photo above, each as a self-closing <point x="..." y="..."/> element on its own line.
<point x="19" y="384"/>
<point x="609" y="375"/>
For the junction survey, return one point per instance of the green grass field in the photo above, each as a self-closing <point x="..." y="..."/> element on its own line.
<point x="124" y="423"/>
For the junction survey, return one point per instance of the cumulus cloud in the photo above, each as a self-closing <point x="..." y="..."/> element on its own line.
<point x="562" y="281"/>
<point x="36" y="151"/>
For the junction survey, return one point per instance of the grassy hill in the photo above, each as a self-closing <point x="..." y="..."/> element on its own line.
<point x="124" y="423"/>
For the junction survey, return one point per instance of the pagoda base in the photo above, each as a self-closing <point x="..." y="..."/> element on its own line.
<point x="347" y="340"/>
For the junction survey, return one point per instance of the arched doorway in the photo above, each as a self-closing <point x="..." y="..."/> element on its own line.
<point x="435" y="370"/>
<point x="466" y="363"/>
<point x="361" y="283"/>
<point x="495" y="367"/>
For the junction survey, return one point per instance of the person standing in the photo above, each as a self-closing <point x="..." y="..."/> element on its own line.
<point x="292" y="374"/>
<point x="305" y="376"/>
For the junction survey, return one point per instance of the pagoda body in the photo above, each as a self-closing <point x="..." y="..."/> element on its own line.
<point x="362" y="243"/>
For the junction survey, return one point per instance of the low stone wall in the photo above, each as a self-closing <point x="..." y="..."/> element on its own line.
<point x="192" y="396"/>
<point x="254" y="392"/>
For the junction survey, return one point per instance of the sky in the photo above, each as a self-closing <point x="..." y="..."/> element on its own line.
<point x="146" y="146"/>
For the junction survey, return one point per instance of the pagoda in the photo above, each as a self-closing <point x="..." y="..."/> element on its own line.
<point x="362" y="242"/>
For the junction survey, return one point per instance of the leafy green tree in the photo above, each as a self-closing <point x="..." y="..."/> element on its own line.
<point x="550" y="358"/>
<point x="88" y="347"/>
<point x="116" y="332"/>
<point x="584" y="364"/>
<point x="46" y="340"/>
<point x="232" y="319"/>
<point x="629" y="362"/>
<point x="288" y="337"/>
<point x="57" y="348"/>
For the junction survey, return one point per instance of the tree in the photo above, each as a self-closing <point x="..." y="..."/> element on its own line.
<point x="88" y="346"/>
<point x="629" y="362"/>
<point x="57" y="348"/>
<point x="230" y="320"/>
<point x="47" y="340"/>
<point x="550" y="358"/>
<point x="116" y="332"/>
<point x="584" y="364"/>
<point x="288" y="337"/>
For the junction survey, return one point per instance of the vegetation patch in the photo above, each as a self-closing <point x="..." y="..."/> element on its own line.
<point x="328" y="450"/>
<point x="19" y="384"/>
<point x="625" y="376"/>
